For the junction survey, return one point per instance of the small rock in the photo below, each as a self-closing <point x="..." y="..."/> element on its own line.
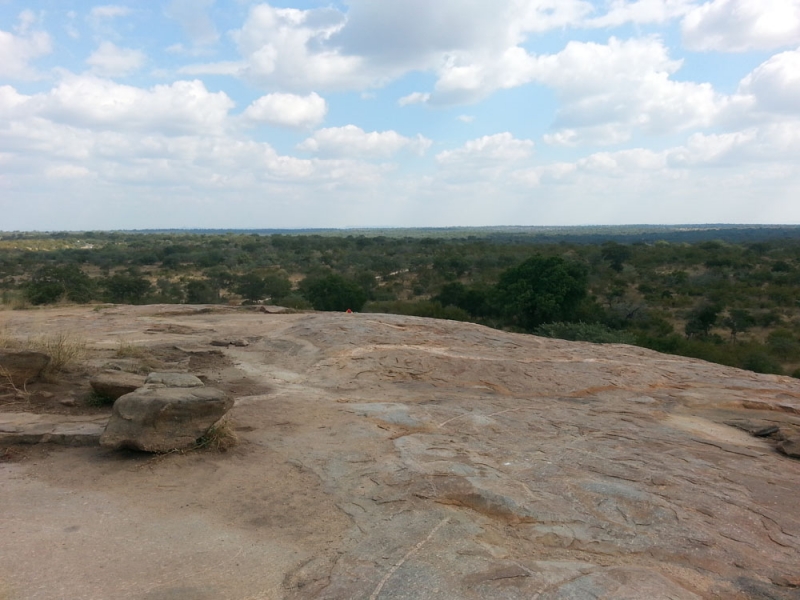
<point x="792" y="581"/>
<point x="115" y="384"/>
<point x="46" y="395"/>
<point x="239" y="343"/>
<point x="174" y="380"/>
<point x="790" y="447"/>
<point x="68" y="401"/>
<point x="272" y="310"/>
<point x="21" y="367"/>
<point x="766" y="431"/>
<point x="164" y="419"/>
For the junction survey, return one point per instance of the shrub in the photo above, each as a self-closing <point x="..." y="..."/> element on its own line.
<point x="761" y="362"/>
<point x="127" y="288"/>
<point x="334" y="292"/>
<point x="541" y="290"/>
<point x="585" y="332"/>
<point x="52" y="283"/>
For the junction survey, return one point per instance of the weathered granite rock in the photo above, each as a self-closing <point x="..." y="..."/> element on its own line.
<point x="27" y="428"/>
<point x="790" y="447"/>
<point x="394" y="457"/>
<point x="174" y="380"/>
<point x="116" y="383"/>
<point x="156" y="419"/>
<point x="240" y="343"/>
<point x="20" y="367"/>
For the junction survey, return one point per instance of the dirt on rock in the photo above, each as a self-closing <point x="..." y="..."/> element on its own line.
<point x="388" y="457"/>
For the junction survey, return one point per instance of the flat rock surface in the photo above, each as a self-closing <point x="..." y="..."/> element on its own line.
<point x="28" y="428"/>
<point x="113" y="384"/>
<point x="398" y="457"/>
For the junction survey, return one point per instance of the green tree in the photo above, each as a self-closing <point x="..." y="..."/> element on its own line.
<point x="701" y="320"/>
<point x="541" y="290"/>
<point x="52" y="283"/>
<point x="738" y="321"/>
<point x="616" y="254"/>
<point x="201" y="291"/>
<point x="334" y="292"/>
<point x="784" y="344"/>
<point x="472" y="300"/>
<point x="251" y="287"/>
<point x="127" y="288"/>
<point x="277" y="286"/>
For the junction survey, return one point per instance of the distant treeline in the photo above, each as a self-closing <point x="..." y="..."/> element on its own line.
<point x="729" y="294"/>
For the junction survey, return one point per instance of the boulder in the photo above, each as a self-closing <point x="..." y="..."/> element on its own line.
<point x="116" y="383"/>
<point x="176" y="380"/>
<point x="790" y="447"/>
<point x="241" y="343"/>
<point x="20" y="367"/>
<point x="159" y="419"/>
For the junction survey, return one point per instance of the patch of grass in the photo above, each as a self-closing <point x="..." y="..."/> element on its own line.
<point x="65" y="349"/>
<point x="220" y="438"/>
<point x="7" y="341"/>
<point x="129" y="350"/>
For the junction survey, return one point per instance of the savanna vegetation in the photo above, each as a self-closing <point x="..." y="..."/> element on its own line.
<point x="729" y="295"/>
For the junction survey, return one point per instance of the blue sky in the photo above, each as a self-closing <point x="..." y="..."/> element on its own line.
<point x="212" y="113"/>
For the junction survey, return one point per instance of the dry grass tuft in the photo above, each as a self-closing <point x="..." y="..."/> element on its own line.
<point x="8" y="341"/>
<point x="7" y="385"/>
<point x="64" y="349"/>
<point x="220" y="438"/>
<point x="129" y="350"/>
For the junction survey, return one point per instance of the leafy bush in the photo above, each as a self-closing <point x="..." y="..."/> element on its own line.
<point x="423" y="308"/>
<point x="761" y="362"/>
<point x="585" y="332"/>
<point x="295" y="301"/>
<point x="541" y="290"/>
<point x="126" y="288"/>
<point x="52" y="283"/>
<point x="201" y="291"/>
<point x="334" y="292"/>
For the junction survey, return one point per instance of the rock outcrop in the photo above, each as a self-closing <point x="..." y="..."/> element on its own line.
<point x="175" y="380"/>
<point x="18" y="368"/>
<point x="114" y="384"/>
<point x="386" y="457"/>
<point x="160" y="419"/>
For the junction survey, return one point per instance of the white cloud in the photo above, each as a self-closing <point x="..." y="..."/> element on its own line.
<point x="18" y="51"/>
<point x="374" y="43"/>
<point x="466" y="118"/>
<point x="67" y="172"/>
<point x="773" y="143"/>
<point x="609" y="91"/>
<point x="286" y="47"/>
<point x="501" y="147"/>
<point x="109" y="11"/>
<point x="775" y="84"/>
<point x="353" y="141"/>
<point x="288" y="110"/>
<point x="110" y="60"/>
<point x="414" y="98"/>
<point x="193" y="17"/>
<point x="91" y="102"/>
<point x="740" y="25"/>
<point x="640" y="12"/>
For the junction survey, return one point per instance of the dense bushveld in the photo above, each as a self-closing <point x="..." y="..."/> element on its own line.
<point x="734" y="300"/>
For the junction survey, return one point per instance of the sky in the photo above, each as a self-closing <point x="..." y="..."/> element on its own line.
<point x="379" y="113"/>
